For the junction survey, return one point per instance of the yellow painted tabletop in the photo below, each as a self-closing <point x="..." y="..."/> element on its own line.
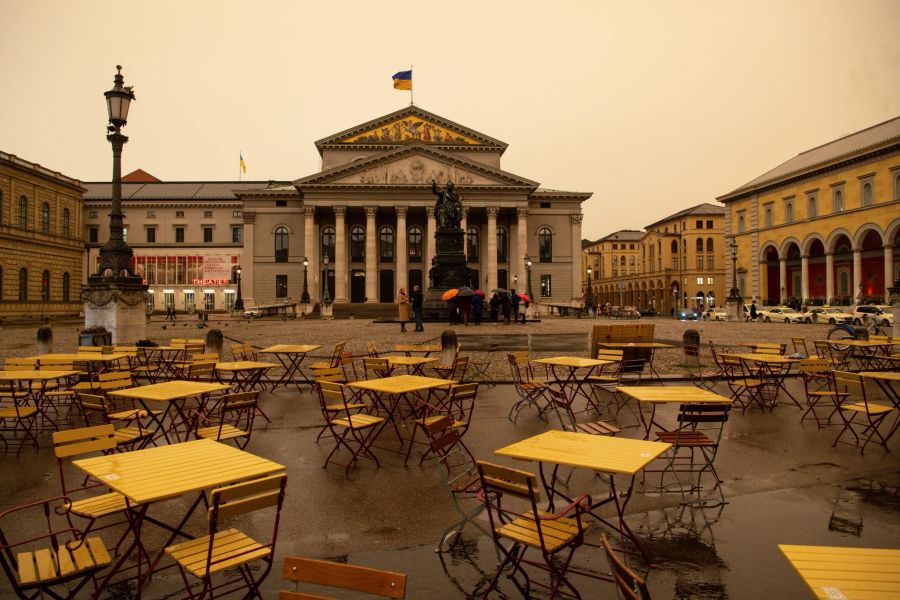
<point x="163" y="348"/>
<point x="883" y="375"/>
<point x="34" y="375"/>
<point x="170" y="390"/>
<point x="400" y="384"/>
<point x="861" y="343"/>
<point x="171" y="471"/>
<point x="84" y="356"/>
<point x="244" y="365"/>
<point x="410" y="361"/>
<point x="654" y="394"/>
<point x="836" y="573"/>
<point x="572" y="361"/>
<point x="417" y="347"/>
<point x="291" y="348"/>
<point x="769" y="358"/>
<point x="596" y="452"/>
<point x="634" y="345"/>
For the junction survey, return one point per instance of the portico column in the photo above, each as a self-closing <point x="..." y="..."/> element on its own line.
<point x="857" y="274"/>
<point x="402" y="280"/>
<point x="309" y="247"/>
<point x="430" y="228"/>
<point x="247" y="254"/>
<point x="829" y="277"/>
<point x="782" y="277"/>
<point x="522" y="234"/>
<point x="576" y="257"/>
<point x="804" y="279"/>
<point x="464" y="221"/>
<point x="491" y="248"/>
<point x="888" y="271"/>
<point x="340" y="255"/>
<point x="371" y="256"/>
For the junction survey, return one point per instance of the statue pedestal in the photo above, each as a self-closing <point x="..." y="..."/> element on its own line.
<point x="119" y="305"/>
<point x="327" y="310"/>
<point x="734" y="309"/>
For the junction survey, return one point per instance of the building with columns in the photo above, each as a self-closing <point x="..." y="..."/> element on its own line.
<point x="823" y="227"/>
<point x="370" y="213"/>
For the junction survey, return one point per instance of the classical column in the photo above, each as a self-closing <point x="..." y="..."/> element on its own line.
<point x="576" y="257"/>
<point x="829" y="277"/>
<point x="804" y="279"/>
<point x="491" y="249"/>
<point x="371" y="255"/>
<point x="430" y="228"/>
<point x="857" y="274"/>
<point x="340" y="255"/>
<point x="309" y="248"/>
<point x="464" y="222"/>
<point x="402" y="278"/>
<point x="522" y="234"/>
<point x="782" y="278"/>
<point x="888" y="271"/>
<point x="247" y="254"/>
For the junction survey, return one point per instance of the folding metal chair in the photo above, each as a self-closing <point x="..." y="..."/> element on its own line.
<point x="98" y="410"/>
<point x="236" y="413"/>
<point x="745" y="384"/>
<point x="384" y="584"/>
<point x="818" y="384"/>
<point x="334" y="361"/>
<point x="457" y="405"/>
<point x="562" y="406"/>
<point x="628" y="583"/>
<point x="456" y="371"/>
<point x="352" y="429"/>
<point x="481" y="368"/>
<point x="377" y="368"/>
<point x="800" y="348"/>
<point x="529" y="389"/>
<point x="231" y="550"/>
<point x="857" y="405"/>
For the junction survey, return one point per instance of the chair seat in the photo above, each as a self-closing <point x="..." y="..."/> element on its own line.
<point x="425" y="422"/>
<point x="128" y="415"/>
<point x="557" y="533"/>
<point x="597" y="428"/>
<point x="872" y="408"/>
<point x="320" y="365"/>
<point x="12" y="413"/>
<point x="229" y="432"/>
<point x="46" y="565"/>
<point x="129" y="435"/>
<point x="533" y="385"/>
<point x="470" y="484"/>
<point x="358" y="421"/>
<point x="824" y="394"/>
<point x="230" y="548"/>
<point x="98" y="506"/>
<point x="59" y="393"/>
<point x="685" y="438"/>
<point x="603" y="378"/>
<point x="340" y="407"/>
<point x="750" y="383"/>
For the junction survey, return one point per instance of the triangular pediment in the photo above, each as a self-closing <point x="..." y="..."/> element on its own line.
<point x="410" y="125"/>
<point x="415" y="165"/>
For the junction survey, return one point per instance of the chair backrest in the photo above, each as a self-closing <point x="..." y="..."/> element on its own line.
<point x="241" y="498"/>
<point x="853" y="383"/>
<point x="237" y="352"/>
<point x="385" y="584"/>
<point x="461" y="400"/>
<point x="114" y="380"/>
<point x="769" y="348"/>
<point x="376" y="368"/>
<point x="507" y="481"/>
<point x="800" y="345"/>
<point x="90" y="349"/>
<point x="692" y="415"/>
<point x="239" y="411"/>
<point x="331" y="394"/>
<point x="94" y="408"/>
<point x="348" y="364"/>
<point x="336" y="356"/>
<point x="458" y="370"/>
<point x="562" y="405"/>
<point x="371" y="350"/>
<point x="205" y="357"/>
<point x="72" y="442"/>
<point x="332" y="374"/>
<point x="809" y="366"/>
<point x="178" y="342"/>
<point x="20" y="364"/>
<point x="201" y="370"/>
<point x="627" y="581"/>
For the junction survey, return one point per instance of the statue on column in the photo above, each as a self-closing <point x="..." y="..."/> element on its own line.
<point x="448" y="210"/>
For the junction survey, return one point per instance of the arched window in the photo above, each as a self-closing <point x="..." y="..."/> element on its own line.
<point x="674" y="247"/>
<point x="631" y="266"/>
<point x="699" y="244"/>
<point x="66" y="225"/>
<point x="789" y="212"/>
<point x="386" y="244"/>
<point x="502" y="245"/>
<point x="472" y="244"/>
<point x="741" y="223"/>
<point x="545" y="244"/>
<point x="415" y="244"/>
<point x="615" y="261"/>
<point x="357" y="243"/>
<point x="709" y="244"/>
<point x="65" y="287"/>
<point x="813" y="207"/>
<point x="867" y="194"/>
<point x="23" y="212"/>
<point x="45" y="218"/>
<point x="328" y="242"/>
<point x="23" y="284"/>
<point x="45" y="285"/>
<point x="281" y="244"/>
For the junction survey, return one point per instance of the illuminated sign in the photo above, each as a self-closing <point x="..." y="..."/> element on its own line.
<point x="211" y="281"/>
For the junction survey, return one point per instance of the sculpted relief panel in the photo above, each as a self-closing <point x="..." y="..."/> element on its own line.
<point x="410" y="129"/>
<point x="420" y="171"/>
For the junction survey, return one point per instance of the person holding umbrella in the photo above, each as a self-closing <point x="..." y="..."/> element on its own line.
<point x="514" y="300"/>
<point x="477" y="306"/>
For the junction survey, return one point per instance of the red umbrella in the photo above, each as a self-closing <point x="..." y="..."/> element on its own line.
<point x="525" y="298"/>
<point x="479" y="293"/>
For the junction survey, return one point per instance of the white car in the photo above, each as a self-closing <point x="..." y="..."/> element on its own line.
<point x="252" y="312"/>
<point x="827" y="314"/>
<point x="883" y="314"/>
<point x="715" y="314"/>
<point x="780" y="313"/>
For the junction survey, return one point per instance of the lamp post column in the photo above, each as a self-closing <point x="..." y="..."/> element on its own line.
<point x="304" y="297"/>
<point x="239" y="302"/>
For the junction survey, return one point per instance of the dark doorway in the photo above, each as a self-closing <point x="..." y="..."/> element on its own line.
<point x="386" y="286"/>
<point x="415" y="279"/>
<point x="357" y="286"/>
<point x="502" y="279"/>
<point x="474" y="282"/>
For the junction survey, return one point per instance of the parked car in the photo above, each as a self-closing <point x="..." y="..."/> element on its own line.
<point x="649" y="312"/>
<point x="252" y="313"/>
<point x="686" y="314"/>
<point x="826" y="314"/>
<point x="780" y="313"/>
<point x="715" y="314"/>
<point x="883" y="314"/>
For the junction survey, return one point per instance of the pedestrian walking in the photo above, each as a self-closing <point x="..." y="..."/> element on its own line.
<point x="505" y="307"/>
<point x="416" y="300"/>
<point x="494" y="304"/>
<point x="753" y="313"/>
<point x="515" y="301"/>
<point x="477" y="308"/>
<point x="403" y="308"/>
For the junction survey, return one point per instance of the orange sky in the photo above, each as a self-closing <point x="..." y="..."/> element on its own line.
<point x="652" y="106"/>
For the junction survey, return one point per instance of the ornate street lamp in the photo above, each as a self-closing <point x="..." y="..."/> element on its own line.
<point x="304" y="297"/>
<point x="239" y="303"/>
<point x="528" y="278"/>
<point x="326" y="297"/>
<point x="515" y="281"/>
<point x="589" y="294"/>
<point x="734" y="294"/>
<point x="116" y="255"/>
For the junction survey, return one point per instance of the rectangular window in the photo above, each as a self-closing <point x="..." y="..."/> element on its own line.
<point x="237" y="214"/>
<point x="92" y="214"/>
<point x="179" y="235"/>
<point x="615" y="246"/>
<point x="93" y="235"/>
<point x="179" y="214"/>
<point x="813" y="207"/>
<point x="151" y="214"/>
<point x="710" y="280"/>
<point x="151" y="235"/>
<point x="281" y="203"/>
<point x="699" y="281"/>
<point x="281" y="286"/>
<point x="546" y="286"/>
<point x="710" y="262"/>
<point x="190" y="302"/>
<point x="631" y="246"/>
<point x="207" y="235"/>
<point x="788" y="212"/>
<point x="699" y="263"/>
<point x="699" y="224"/>
<point x="709" y="224"/>
<point x="207" y="214"/>
<point x="237" y="234"/>
<point x="741" y="222"/>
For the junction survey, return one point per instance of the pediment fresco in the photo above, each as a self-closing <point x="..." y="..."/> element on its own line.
<point x="411" y="128"/>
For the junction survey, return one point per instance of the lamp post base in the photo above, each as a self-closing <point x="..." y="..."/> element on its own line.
<point x="734" y="308"/>
<point x="118" y="306"/>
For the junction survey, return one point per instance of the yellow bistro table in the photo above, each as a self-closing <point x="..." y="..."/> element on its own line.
<point x="677" y="394"/>
<point x="606" y="455"/>
<point x="838" y="573"/>
<point x="650" y="347"/>
<point x="774" y="368"/>
<point x="165" y="356"/>
<point x="245" y="374"/>
<point x="174" y="394"/>
<point x="571" y="365"/>
<point x="153" y="475"/>
<point x="23" y="389"/>
<point x="91" y="359"/>
<point x="415" y="365"/>
<point x="291" y="356"/>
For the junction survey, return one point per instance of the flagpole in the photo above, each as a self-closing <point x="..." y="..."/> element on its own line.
<point x="411" y="83"/>
<point x="240" y="166"/>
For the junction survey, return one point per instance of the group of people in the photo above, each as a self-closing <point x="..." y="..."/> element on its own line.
<point x="462" y="309"/>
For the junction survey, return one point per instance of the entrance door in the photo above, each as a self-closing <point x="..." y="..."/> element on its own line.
<point x="386" y="286"/>
<point x="415" y="279"/>
<point x="357" y="286"/>
<point x="502" y="279"/>
<point x="473" y="282"/>
<point x="209" y="300"/>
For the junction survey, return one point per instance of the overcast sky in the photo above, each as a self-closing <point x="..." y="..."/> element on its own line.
<point x="652" y="106"/>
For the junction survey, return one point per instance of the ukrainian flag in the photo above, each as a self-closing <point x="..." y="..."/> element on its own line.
<point x="243" y="164"/>
<point x="403" y="80"/>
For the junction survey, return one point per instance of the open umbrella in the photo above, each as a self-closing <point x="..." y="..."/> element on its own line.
<point x="449" y="294"/>
<point x="525" y="298"/>
<point x="499" y="291"/>
<point x="466" y="292"/>
<point x="479" y="293"/>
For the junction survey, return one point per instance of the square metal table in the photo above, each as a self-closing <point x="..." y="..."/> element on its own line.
<point x="840" y="573"/>
<point x="651" y="347"/>
<point x="678" y="394"/>
<point x="775" y="368"/>
<point x="415" y="365"/>
<point x="570" y="377"/>
<point x="245" y="374"/>
<point x="291" y="356"/>
<point x="34" y="394"/>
